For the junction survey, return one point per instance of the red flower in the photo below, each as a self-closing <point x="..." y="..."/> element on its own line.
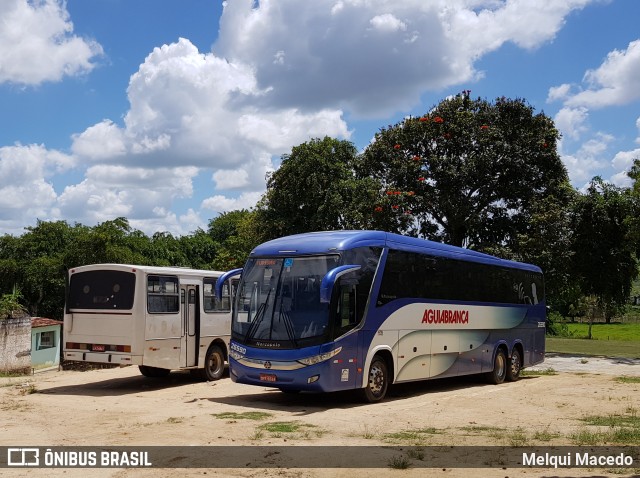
<point x="438" y="119"/>
<point x="545" y="145"/>
<point x="397" y="146"/>
<point x="484" y="126"/>
<point x="424" y="118"/>
<point x="421" y="179"/>
<point x="378" y="209"/>
<point x="446" y="136"/>
<point x="395" y="207"/>
<point x="417" y="158"/>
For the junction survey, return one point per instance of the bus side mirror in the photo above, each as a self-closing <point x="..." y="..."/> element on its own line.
<point x="330" y="278"/>
<point x="224" y="278"/>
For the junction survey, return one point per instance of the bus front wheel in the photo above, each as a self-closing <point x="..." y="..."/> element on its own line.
<point x="153" y="372"/>
<point x="499" y="372"/>
<point x="378" y="381"/>
<point x="214" y="363"/>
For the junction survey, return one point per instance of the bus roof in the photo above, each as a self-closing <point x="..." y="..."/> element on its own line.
<point x="148" y="269"/>
<point x="325" y="242"/>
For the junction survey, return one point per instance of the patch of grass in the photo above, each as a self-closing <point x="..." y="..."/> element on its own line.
<point x="614" y="421"/>
<point x="607" y="348"/>
<point x="533" y="373"/>
<point x="281" y="427"/>
<point x="627" y="379"/>
<point x="614" y="331"/>
<point x="621" y="429"/>
<point x="587" y="437"/>
<point x="28" y="389"/>
<point x="481" y="429"/>
<point x="545" y="435"/>
<point x="411" y="436"/>
<point x="516" y="437"/>
<point x="399" y="463"/>
<point x="368" y="434"/>
<point x="278" y="429"/>
<point x="416" y="453"/>
<point x="242" y="416"/>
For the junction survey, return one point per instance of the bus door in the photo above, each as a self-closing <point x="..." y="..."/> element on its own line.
<point x="189" y="339"/>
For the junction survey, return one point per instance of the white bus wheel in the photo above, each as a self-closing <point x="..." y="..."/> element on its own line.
<point x="214" y="363"/>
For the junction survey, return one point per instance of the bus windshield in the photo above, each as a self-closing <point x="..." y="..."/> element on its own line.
<point x="279" y="302"/>
<point x="101" y="290"/>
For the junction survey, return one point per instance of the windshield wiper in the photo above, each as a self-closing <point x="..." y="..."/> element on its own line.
<point x="288" y="325"/>
<point x="259" y="316"/>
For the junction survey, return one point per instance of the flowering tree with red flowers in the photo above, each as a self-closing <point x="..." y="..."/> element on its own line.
<point x="468" y="173"/>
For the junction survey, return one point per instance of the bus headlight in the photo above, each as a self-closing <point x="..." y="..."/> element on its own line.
<point x="235" y="355"/>
<point x="320" y="358"/>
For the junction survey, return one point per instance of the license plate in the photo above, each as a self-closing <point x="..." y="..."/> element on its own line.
<point x="97" y="348"/>
<point x="267" y="377"/>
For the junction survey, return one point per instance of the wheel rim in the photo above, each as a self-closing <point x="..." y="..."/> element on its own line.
<point x="376" y="379"/>
<point x="214" y="364"/>
<point x="500" y="365"/>
<point x="515" y="364"/>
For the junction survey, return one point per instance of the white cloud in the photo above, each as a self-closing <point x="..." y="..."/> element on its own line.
<point x="387" y="23"/>
<point x="331" y="49"/>
<point x="25" y="191"/>
<point x="226" y="179"/>
<point x="559" y="92"/>
<point x="571" y="121"/>
<point x="615" y="82"/>
<point x="112" y="191"/>
<point x="100" y="141"/>
<point x="37" y="44"/>
<point x="587" y="160"/>
<point x="220" y="204"/>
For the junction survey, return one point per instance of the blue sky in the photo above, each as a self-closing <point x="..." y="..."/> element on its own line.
<point x="170" y="112"/>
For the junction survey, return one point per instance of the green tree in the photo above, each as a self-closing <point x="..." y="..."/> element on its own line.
<point x="199" y="249"/>
<point x="634" y="219"/>
<point x="468" y="172"/>
<point x="316" y="188"/>
<point x="40" y="257"/>
<point x="235" y="234"/>
<point x="604" y="257"/>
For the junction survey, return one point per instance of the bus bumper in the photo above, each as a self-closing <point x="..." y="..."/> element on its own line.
<point x="312" y="378"/>
<point x="100" y="357"/>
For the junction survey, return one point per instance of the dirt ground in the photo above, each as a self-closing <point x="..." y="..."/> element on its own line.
<point x="119" y="407"/>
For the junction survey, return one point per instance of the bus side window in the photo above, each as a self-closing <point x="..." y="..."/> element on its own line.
<point x="347" y="307"/>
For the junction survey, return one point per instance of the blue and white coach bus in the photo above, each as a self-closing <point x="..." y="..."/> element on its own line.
<point x="340" y="310"/>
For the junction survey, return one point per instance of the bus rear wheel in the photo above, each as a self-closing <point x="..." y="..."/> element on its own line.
<point x="499" y="372"/>
<point x="515" y="367"/>
<point x="214" y="363"/>
<point x="153" y="372"/>
<point x="378" y="380"/>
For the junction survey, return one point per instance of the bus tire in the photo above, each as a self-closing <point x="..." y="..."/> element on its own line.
<point x="515" y="365"/>
<point x="499" y="372"/>
<point x="214" y="363"/>
<point x="153" y="372"/>
<point x="378" y="380"/>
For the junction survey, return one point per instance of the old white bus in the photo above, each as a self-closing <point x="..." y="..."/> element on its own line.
<point x="159" y="318"/>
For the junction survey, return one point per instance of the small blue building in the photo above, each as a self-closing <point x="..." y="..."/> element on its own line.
<point x="45" y="342"/>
